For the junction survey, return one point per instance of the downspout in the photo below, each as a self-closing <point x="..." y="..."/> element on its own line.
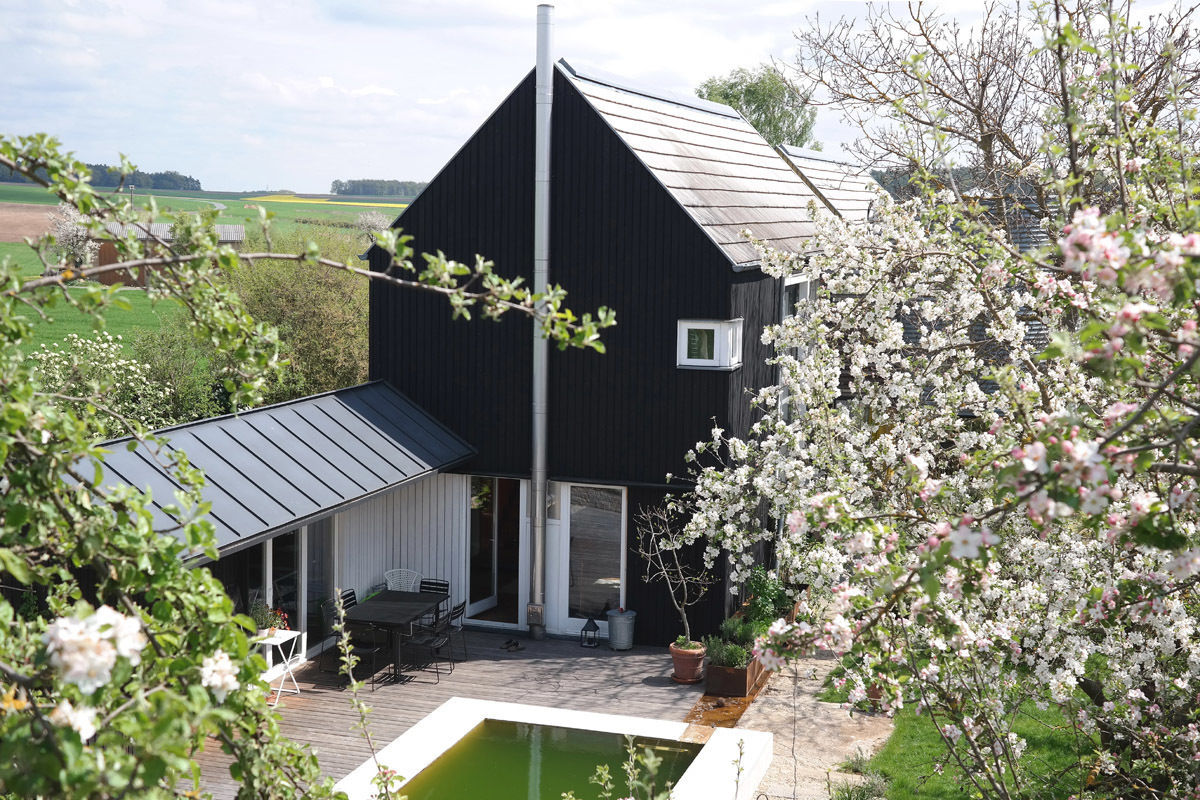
<point x="536" y="610"/>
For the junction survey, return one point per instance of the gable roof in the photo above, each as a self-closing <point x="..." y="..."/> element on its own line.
<point x="269" y="470"/>
<point x="719" y="169"/>
<point x="844" y="189"/>
<point x="162" y="230"/>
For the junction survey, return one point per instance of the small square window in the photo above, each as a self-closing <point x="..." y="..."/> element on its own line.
<point x="709" y="344"/>
<point x="701" y="343"/>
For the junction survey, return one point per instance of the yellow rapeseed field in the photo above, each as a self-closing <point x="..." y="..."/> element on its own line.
<point x="291" y="198"/>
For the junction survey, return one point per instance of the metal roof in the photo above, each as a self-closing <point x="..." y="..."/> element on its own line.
<point x="846" y="190"/>
<point x="271" y="469"/>
<point x="162" y="230"/>
<point x="722" y="172"/>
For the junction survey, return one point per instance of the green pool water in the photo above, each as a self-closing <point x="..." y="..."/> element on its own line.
<point x="501" y="760"/>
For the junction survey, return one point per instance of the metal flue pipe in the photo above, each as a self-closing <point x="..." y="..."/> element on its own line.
<point x="544" y="76"/>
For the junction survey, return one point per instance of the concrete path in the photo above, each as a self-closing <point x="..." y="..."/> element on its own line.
<point x="811" y="738"/>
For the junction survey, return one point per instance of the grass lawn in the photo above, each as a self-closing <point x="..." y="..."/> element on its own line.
<point x="64" y="320"/>
<point x="24" y="255"/>
<point x="908" y="757"/>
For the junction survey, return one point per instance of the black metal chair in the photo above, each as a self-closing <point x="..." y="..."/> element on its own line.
<point x="428" y="646"/>
<point x="456" y="629"/>
<point x="434" y="585"/>
<point x="367" y="642"/>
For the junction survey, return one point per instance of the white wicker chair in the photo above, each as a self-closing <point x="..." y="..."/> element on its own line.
<point x="402" y="580"/>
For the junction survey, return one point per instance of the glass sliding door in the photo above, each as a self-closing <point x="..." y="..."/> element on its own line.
<point x="484" y="553"/>
<point x="596" y="526"/>
<point x="493" y="564"/>
<point x="319" y="610"/>
<point x="285" y="576"/>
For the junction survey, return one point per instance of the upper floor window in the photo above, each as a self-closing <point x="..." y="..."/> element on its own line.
<point x="797" y="289"/>
<point x="709" y="344"/>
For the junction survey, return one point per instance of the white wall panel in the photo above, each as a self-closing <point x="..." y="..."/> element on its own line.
<point x="420" y="526"/>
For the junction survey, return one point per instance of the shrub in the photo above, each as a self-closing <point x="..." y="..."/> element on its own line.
<point x="738" y="630"/>
<point x="769" y="600"/>
<point x="321" y="314"/>
<point x="726" y="654"/>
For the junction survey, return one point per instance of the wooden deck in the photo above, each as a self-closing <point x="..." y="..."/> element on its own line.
<point x="552" y="672"/>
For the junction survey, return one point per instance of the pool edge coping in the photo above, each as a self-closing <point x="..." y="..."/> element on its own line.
<point x="711" y="774"/>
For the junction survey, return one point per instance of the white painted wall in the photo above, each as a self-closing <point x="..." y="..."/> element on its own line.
<point x="421" y="526"/>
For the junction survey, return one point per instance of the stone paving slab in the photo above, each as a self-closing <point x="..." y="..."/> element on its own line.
<point x="811" y="738"/>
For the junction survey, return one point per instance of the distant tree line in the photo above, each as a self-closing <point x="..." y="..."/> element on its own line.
<point x="104" y="175"/>
<point x="378" y="188"/>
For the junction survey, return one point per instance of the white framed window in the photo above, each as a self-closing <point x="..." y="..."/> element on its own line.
<point x="709" y="344"/>
<point x="797" y="289"/>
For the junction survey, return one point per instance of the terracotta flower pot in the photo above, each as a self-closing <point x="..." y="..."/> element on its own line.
<point x="689" y="664"/>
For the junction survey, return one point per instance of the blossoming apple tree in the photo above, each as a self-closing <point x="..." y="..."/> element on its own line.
<point x="984" y="461"/>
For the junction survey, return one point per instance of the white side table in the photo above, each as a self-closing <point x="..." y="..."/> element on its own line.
<point x="279" y="639"/>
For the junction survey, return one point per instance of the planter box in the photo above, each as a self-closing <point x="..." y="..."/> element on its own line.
<point x="734" y="681"/>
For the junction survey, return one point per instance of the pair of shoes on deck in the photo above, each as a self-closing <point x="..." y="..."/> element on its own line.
<point x="512" y="646"/>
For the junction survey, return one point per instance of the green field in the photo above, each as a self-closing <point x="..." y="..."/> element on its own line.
<point x="238" y="209"/>
<point x="293" y="220"/>
<point x="124" y="322"/>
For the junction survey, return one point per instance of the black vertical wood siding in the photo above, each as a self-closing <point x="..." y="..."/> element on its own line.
<point x="757" y="300"/>
<point x="473" y="376"/>
<point x="657" y="622"/>
<point x="619" y="239"/>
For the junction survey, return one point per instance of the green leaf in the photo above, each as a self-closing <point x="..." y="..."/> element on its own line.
<point x="14" y="565"/>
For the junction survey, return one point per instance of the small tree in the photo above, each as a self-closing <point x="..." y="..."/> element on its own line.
<point x="371" y="221"/>
<point x="73" y="244"/>
<point x="768" y="101"/>
<point x="660" y="540"/>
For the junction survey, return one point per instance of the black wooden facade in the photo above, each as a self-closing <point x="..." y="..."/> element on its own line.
<point x="618" y="238"/>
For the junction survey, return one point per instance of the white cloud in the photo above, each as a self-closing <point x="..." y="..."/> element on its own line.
<point x="250" y="94"/>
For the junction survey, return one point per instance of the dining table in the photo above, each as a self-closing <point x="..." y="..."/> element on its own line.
<point x="396" y="612"/>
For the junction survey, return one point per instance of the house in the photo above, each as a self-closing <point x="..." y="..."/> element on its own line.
<point x="649" y="197"/>
<point x="233" y="235"/>
<point x="428" y="466"/>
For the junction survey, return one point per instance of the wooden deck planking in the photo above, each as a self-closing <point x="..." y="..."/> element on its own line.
<point x="553" y="672"/>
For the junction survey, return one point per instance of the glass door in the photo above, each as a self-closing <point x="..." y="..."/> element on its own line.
<point x="318" y="615"/>
<point x="596" y="553"/>
<point x="493" y="563"/>
<point x="484" y="555"/>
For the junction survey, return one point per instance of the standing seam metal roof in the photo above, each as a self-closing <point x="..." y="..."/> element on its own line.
<point x="719" y="169"/>
<point x="846" y="190"/>
<point x="269" y="470"/>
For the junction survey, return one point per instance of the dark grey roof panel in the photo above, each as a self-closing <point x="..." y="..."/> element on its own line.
<point x="596" y="75"/>
<point x="278" y="448"/>
<point x="846" y="189"/>
<point x="710" y="160"/>
<point x="271" y="469"/>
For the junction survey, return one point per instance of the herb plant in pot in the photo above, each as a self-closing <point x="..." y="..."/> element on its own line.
<point x="660" y="543"/>
<point x="266" y="618"/>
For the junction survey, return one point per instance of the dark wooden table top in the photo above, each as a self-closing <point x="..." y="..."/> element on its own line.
<point x="396" y="609"/>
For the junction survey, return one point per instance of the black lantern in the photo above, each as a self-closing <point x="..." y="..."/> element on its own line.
<point x="587" y="635"/>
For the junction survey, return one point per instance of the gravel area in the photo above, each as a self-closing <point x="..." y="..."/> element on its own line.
<point x="811" y="738"/>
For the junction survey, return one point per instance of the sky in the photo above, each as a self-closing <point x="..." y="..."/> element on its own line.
<point x="249" y="95"/>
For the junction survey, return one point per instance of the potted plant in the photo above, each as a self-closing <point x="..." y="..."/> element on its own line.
<point x="267" y="619"/>
<point x="732" y="671"/>
<point x="660" y="542"/>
